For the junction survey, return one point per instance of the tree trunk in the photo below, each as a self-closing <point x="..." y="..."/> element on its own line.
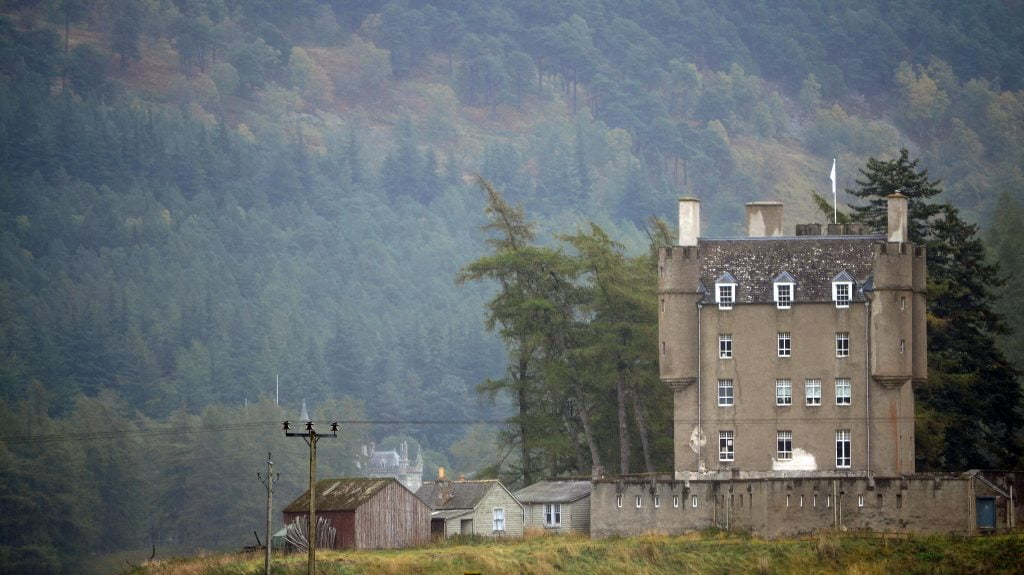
<point x="623" y="428"/>
<point x="639" y="413"/>
<point x="524" y="404"/>
<point x="588" y="432"/>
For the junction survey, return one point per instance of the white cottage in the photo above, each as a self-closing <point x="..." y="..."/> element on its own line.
<point x="477" y="507"/>
<point x="557" y="506"/>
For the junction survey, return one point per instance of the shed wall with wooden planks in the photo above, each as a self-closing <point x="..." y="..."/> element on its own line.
<point x="394" y="517"/>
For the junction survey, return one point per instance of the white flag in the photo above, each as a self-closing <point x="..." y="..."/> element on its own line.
<point x="832" y="177"/>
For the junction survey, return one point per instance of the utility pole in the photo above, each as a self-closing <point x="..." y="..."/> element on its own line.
<point x="311" y="437"/>
<point x="269" y="482"/>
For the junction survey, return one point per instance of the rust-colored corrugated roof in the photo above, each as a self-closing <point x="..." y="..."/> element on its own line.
<point x="345" y="494"/>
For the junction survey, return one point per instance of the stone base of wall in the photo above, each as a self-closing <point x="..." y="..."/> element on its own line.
<point x="779" y="505"/>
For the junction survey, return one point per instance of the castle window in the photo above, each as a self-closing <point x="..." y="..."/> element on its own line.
<point x="657" y="501"/>
<point x="842" y="344"/>
<point x="552" y="514"/>
<point x="725" y="446"/>
<point x="725" y="291"/>
<point x="843" y="448"/>
<point x="725" y="393"/>
<point x="639" y="501"/>
<point x="843" y="391"/>
<point x="783" y="392"/>
<point x="783" y="286"/>
<point x="784" y="440"/>
<point x="785" y="344"/>
<point x="618" y="500"/>
<point x="725" y="346"/>
<point x="812" y="391"/>
<point x="842" y="289"/>
<point x="675" y="501"/>
<point x="693" y="501"/>
<point x="860" y="500"/>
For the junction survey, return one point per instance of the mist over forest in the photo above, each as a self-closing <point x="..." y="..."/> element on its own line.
<point x="214" y="210"/>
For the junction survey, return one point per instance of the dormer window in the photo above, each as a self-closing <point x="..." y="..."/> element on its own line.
<point x="783" y="290"/>
<point x="842" y="289"/>
<point x="725" y="291"/>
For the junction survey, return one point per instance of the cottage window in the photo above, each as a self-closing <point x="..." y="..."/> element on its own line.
<point x="785" y="344"/>
<point x="842" y="344"/>
<point x="843" y="391"/>
<point x="784" y="441"/>
<point x="812" y="392"/>
<point x="726" y="393"/>
<point x="783" y="392"/>
<point x="552" y="514"/>
<point x="725" y="446"/>
<point x="498" y="522"/>
<point x="843" y="448"/>
<point x="725" y="346"/>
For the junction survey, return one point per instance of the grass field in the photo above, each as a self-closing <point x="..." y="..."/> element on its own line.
<point x="704" y="553"/>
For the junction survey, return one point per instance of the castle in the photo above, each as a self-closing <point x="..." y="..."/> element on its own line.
<point x="792" y="361"/>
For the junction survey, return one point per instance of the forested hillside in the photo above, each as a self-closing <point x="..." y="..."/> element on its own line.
<point x="198" y="197"/>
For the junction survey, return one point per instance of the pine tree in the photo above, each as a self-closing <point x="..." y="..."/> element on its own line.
<point x="883" y="178"/>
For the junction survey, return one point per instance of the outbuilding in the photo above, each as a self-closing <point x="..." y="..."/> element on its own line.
<point x="365" y="513"/>
<point x="475" y="507"/>
<point x="557" y="506"/>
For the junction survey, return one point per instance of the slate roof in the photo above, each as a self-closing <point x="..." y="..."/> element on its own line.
<point x="554" y="491"/>
<point x="812" y="261"/>
<point x="465" y="494"/>
<point x="344" y="494"/>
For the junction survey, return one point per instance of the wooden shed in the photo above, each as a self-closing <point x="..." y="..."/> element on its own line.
<point x="557" y="506"/>
<point x="480" y="507"/>
<point x="367" y="513"/>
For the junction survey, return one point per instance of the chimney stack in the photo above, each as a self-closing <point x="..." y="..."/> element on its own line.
<point x="897" y="218"/>
<point x="764" y="219"/>
<point x="440" y="473"/>
<point x="689" y="221"/>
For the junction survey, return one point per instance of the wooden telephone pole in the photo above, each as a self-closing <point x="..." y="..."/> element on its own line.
<point x="269" y="482"/>
<point x="311" y="437"/>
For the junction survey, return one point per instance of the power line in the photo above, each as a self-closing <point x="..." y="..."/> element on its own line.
<point x="100" y="435"/>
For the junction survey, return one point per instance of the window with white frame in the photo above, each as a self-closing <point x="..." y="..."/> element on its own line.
<point x="784" y="441"/>
<point x="498" y="521"/>
<point x="812" y="392"/>
<point x="639" y="501"/>
<point x="618" y="500"/>
<point x="725" y="346"/>
<point x="860" y="500"/>
<point x="552" y="514"/>
<point x="693" y="501"/>
<point x="783" y="295"/>
<point x="675" y="501"/>
<point x="842" y="293"/>
<point x="843" y="448"/>
<point x="783" y="392"/>
<point x="785" y="344"/>
<point x="842" y="344"/>
<point x="725" y="291"/>
<point x="725" y="446"/>
<point x="843" y="391"/>
<point x="725" y="393"/>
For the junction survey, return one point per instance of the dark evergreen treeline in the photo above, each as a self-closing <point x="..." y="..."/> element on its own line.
<point x="288" y="197"/>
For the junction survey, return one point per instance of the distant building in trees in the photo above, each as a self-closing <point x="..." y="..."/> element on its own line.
<point x="395" y="463"/>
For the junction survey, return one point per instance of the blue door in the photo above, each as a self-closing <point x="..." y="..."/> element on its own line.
<point x="986" y="509"/>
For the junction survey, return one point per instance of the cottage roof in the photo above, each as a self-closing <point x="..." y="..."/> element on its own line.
<point x="465" y="494"/>
<point x="811" y="262"/>
<point x="554" y="491"/>
<point x="344" y="494"/>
